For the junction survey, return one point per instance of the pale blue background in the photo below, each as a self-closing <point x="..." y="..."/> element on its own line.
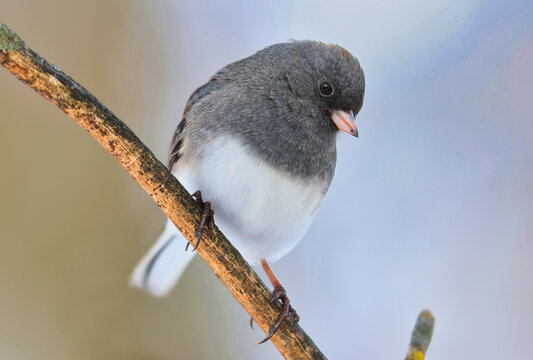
<point x="432" y="205"/>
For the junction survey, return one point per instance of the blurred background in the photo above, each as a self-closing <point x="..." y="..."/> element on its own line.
<point x="430" y="208"/>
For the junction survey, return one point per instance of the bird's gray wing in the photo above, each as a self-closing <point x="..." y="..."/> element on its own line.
<point x="177" y="138"/>
<point x="215" y="82"/>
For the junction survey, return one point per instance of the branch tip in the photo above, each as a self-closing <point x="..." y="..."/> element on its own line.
<point x="421" y="336"/>
<point x="9" y="40"/>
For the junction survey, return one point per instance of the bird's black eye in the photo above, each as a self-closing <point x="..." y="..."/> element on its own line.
<point x="326" y="89"/>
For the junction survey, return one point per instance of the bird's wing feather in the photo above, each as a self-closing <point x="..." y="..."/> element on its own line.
<point x="217" y="81"/>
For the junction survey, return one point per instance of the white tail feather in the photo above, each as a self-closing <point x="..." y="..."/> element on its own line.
<point x="160" y="269"/>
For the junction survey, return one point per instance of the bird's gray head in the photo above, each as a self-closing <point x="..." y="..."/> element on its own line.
<point x="327" y="82"/>
<point x="286" y="102"/>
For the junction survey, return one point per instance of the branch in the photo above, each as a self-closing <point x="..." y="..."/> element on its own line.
<point x="177" y="204"/>
<point x="421" y="336"/>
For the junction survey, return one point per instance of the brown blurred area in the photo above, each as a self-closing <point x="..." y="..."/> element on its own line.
<point x="72" y="222"/>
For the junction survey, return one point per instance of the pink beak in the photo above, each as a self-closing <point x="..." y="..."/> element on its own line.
<point x="345" y="121"/>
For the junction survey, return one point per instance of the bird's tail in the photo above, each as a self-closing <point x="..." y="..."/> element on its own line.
<point x="160" y="269"/>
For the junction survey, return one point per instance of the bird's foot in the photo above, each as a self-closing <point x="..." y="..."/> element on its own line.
<point x="287" y="311"/>
<point x="208" y="217"/>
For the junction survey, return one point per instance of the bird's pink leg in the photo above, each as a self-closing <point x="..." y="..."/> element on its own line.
<point x="279" y="293"/>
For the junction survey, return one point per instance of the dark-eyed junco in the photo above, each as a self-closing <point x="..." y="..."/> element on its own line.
<point x="259" y="141"/>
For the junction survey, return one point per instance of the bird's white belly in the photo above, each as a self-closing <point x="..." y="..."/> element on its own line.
<point x="262" y="211"/>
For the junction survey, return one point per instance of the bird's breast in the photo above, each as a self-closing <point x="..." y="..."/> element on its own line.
<point x="263" y="211"/>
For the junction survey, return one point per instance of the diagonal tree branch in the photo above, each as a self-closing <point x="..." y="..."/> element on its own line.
<point x="177" y="204"/>
<point x="225" y="261"/>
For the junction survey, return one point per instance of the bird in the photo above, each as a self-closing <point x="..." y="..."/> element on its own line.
<point x="257" y="146"/>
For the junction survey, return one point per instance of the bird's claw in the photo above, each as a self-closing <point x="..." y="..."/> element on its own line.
<point x="279" y="293"/>
<point x="208" y="217"/>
